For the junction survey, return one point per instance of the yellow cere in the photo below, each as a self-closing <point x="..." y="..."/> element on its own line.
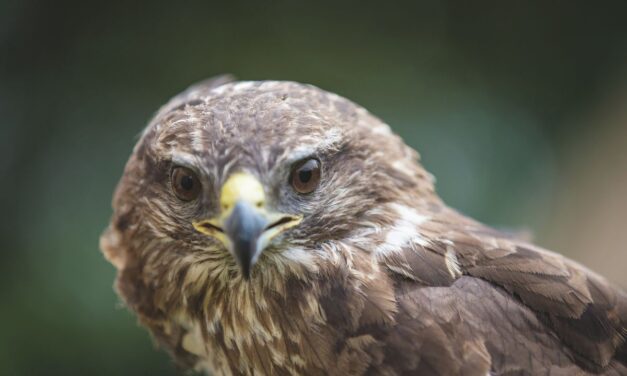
<point x="241" y="186"/>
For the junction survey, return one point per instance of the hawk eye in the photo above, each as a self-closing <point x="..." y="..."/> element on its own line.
<point x="305" y="176"/>
<point x="185" y="183"/>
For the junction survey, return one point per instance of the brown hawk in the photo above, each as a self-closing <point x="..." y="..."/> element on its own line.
<point x="272" y="228"/>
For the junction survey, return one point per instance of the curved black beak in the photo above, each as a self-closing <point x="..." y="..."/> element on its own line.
<point x="244" y="227"/>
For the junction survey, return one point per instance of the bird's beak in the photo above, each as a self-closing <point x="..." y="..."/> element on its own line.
<point x="245" y="225"/>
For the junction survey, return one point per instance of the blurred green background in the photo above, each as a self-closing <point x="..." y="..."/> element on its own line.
<point x="518" y="108"/>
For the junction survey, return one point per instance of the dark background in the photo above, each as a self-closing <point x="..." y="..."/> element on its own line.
<point x="518" y="108"/>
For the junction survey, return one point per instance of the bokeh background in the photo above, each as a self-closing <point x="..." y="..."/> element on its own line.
<point x="518" y="108"/>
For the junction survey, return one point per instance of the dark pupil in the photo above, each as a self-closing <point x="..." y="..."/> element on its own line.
<point x="187" y="182"/>
<point x="304" y="175"/>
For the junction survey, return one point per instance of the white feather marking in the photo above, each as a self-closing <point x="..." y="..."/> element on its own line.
<point x="244" y="85"/>
<point x="403" y="166"/>
<point x="226" y="171"/>
<point x="318" y="144"/>
<point x="404" y="231"/>
<point x="381" y="129"/>
<point x="184" y="159"/>
<point x="301" y="257"/>
<point x="197" y="140"/>
<point x="220" y="89"/>
<point x="452" y="264"/>
<point x="182" y="121"/>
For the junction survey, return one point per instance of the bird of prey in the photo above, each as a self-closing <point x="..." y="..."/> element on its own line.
<point x="273" y="228"/>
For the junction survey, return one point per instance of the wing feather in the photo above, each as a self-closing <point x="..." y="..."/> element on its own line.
<point x="584" y="311"/>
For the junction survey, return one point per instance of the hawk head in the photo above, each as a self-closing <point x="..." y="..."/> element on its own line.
<point x="243" y="200"/>
<point x="254" y="178"/>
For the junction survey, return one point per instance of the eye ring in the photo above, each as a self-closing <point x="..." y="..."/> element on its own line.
<point x="305" y="176"/>
<point x="185" y="183"/>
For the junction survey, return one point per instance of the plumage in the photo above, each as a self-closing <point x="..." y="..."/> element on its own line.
<point x="374" y="274"/>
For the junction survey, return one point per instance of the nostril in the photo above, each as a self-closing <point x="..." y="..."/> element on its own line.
<point x="260" y="204"/>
